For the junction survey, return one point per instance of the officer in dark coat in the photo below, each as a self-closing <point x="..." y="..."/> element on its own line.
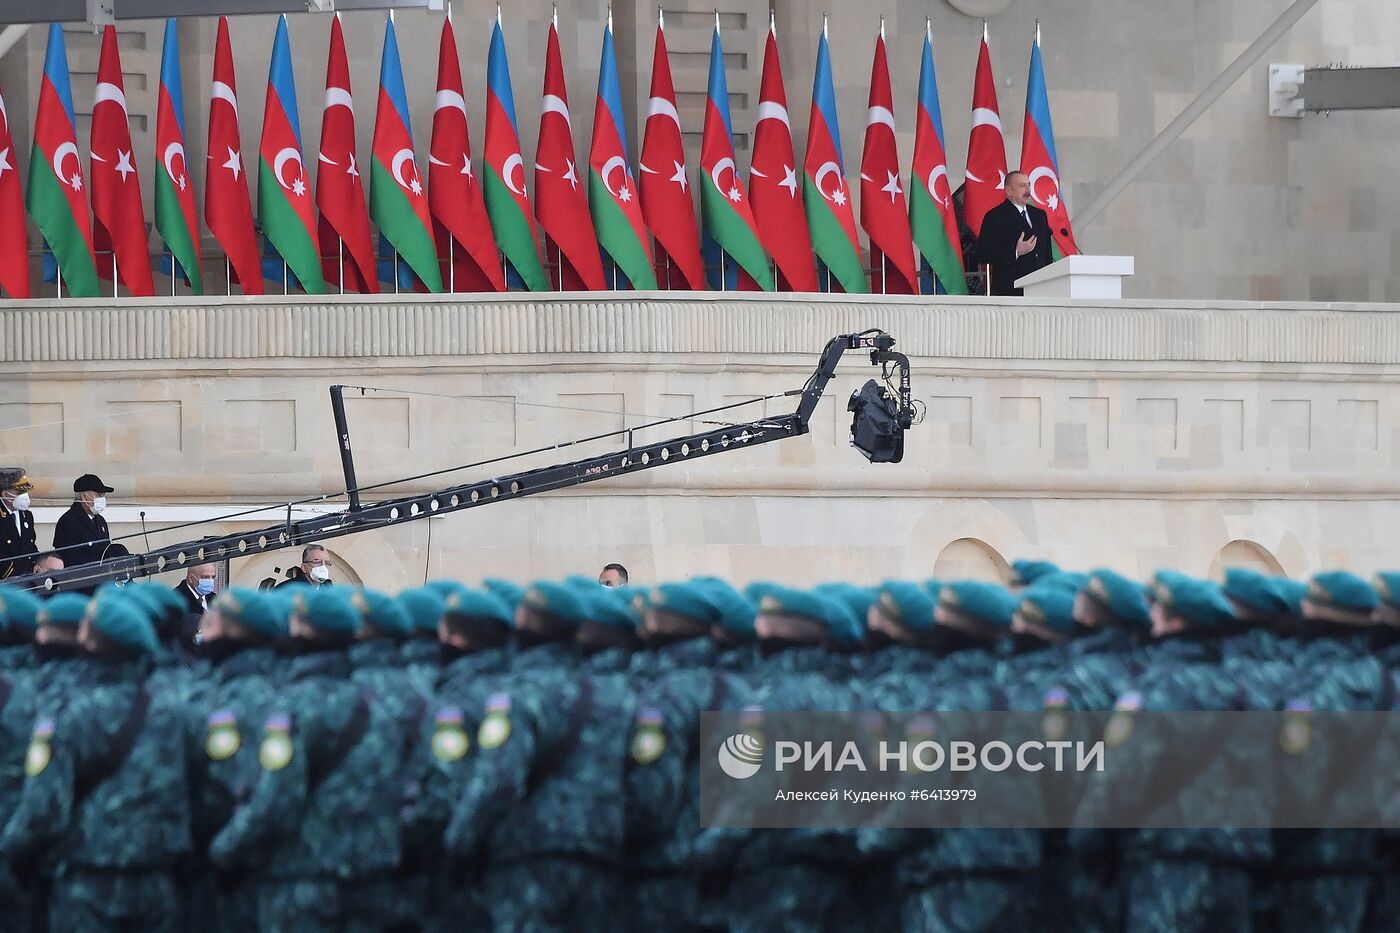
<point x="81" y="535"/>
<point x="17" y="544"/>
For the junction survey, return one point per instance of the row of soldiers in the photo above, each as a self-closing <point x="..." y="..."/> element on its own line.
<point x="526" y="758"/>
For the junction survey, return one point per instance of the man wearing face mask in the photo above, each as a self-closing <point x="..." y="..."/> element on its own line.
<point x="81" y="534"/>
<point x="17" y="539"/>
<point x="315" y="569"/>
<point x="198" y="588"/>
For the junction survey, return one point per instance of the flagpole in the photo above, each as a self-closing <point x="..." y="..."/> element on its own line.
<point x="667" y="259"/>
<point x="884" y="286"/>
<point x="340" y="264"/>
<point x="723" y="272"/>
<point x="228" y="277"/>
<point x="396" y="252"/>
<point x="114" y="272"/>
<point x="58" y="278"/>
<point x="172" y="271"/>
<point x="451" y="240"/>
<point x="284" y="277"/>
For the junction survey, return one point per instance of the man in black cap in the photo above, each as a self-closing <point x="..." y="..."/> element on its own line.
<point x="81" y="535"/>
<point x="17" y="540"/>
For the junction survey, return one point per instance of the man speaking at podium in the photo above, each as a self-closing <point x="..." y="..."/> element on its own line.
<point x="1015" y="237"/>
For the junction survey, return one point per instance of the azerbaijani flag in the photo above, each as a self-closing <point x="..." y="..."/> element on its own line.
<point x="177" y="222"/>
<point x="1038" y="159"/>
<point x="56" y="199"/>
<point x="931" y="216"/>
<point x="724" y="206"/>
<point x="285" y="210"/>
<point x="506" y="200"/>
<point x="824" y="189"/>
<point x="612" y="191"/>
<point x="398" y="203"/>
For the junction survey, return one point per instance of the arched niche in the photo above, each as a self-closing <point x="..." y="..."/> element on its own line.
<point x="1248" y="554"/>
<point x="971" y="559"/>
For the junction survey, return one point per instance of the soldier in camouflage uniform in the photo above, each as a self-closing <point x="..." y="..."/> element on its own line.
<point x="17" y="610"/>
<point x="475" y="631"/>
<point x="105" y="801"/>
<point x="543" y="799"/>
<point x="663" y="790"/>
<point x="238" y="636"/>
<point x="1179" y="879"/>
<point x="321" y="825"/>
<point x="422" y="656"/>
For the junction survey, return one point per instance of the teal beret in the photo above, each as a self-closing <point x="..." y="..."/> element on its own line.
<point x="19" y="610"/>
<point x="988" y="603"/>
<point x="443" y="588"/>
<point x="124" y="624"/>
<point x="507" y="591"/>
<point x="841" y="625"/>
<point x="1026" y="572"/>
<point x="688" y="600"/>
<point x="1388" y="587"/>
<point x="858" y="599"/>
<point x="773" y="597"/>
<point x="256" y="610"/>
<point x="1292" y="592"/>
<point x="381" y="612"/>
<point x="558" y="600"/>
<point x="610" y="606"/>
<point x="933" y="587"/>
<point x="1126" y="599"/>
<point x="65" y="610"/>
<point x="1049" y="603"/>
<point x="424" y="606"/>
<point x="1342" y="590"/>
<point x="844" y="628"/>
<point x="1200" y="603"/>
<point x="1257" y="592"/>
<point x="907" y="603"/>
<point x="758" y="589"/>
<point x="735" y="613"/>
<point x="474" y="604"/>
<point x="328" y="609"/>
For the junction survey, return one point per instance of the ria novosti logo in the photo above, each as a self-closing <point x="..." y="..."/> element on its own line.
<point x="741" y="755"/>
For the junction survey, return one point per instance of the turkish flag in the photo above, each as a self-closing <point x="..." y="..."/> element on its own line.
<point x="227" y="208"/>
<point x="775" y="185"/>
<point x="116" y="191"/>
<point x="986" y="151"/>
<point x="561" y="197"/>
<point x="340" y="192"/>
<point x="461" y="228"/>
<point x="883" y="211"/>
<point x="14" y="245"/>
<point x="667" y="205"/>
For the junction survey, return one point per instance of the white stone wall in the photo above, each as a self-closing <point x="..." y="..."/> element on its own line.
<point x="1129" y="434"/>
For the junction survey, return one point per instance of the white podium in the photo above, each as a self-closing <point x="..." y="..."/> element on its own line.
<point x="1079" y="277"/>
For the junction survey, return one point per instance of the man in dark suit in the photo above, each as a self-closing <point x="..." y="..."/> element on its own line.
<point x="81" y="535"/>
<point x="17" y="539"/>
<point x="1015" y="238"/>
<point x="198" y="588"/>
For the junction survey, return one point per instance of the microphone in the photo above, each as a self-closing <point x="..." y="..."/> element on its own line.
<point x="143" y="530"/>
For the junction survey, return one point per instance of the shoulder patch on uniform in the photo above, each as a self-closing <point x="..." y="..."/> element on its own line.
<point x="1119" y="727"/>
<point x="276" y="751"/>
<point x="648" y="741"/>
<point x="495" y="725"/>
<point x="1295" y="735"/>
<point x="450" y="742"/>
<point x="38" y="756"/>
<point x="222" y="740"/>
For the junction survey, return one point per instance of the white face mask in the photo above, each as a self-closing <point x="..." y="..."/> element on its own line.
<point x="320" y="573"/>
<point x="21" y="502"/>
<point x="99" y="504"/>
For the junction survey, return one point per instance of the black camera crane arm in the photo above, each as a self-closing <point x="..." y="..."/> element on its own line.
<point x="366" y="517"/>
